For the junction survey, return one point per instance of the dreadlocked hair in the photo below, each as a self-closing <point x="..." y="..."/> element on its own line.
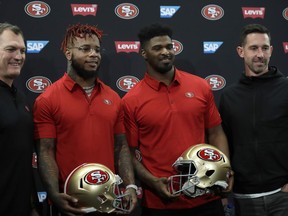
<point x="80" y="31"/>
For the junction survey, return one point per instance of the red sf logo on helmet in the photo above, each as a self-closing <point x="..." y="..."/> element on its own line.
<point x="209" y="154"/>
<point x="96" y="177"/>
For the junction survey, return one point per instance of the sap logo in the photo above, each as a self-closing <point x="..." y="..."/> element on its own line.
<point x="36" y="46"/>
<point x="42" y="196"/>
<point x="168" y="11"/>
<point x="211" y="46"/>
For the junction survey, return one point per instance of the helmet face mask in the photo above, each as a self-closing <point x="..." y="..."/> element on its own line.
<point x="200" y="169"/>
<point x="97" y="188"/>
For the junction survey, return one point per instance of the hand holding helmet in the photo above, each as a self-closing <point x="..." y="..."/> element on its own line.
<point x="201" y="169"/>
<point x="97" y="188"/>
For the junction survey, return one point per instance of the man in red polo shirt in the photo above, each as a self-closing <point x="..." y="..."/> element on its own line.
<point x="78" y="119"/>
<point x="165" y="113"/>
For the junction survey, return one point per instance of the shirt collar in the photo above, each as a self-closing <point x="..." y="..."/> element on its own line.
<point x="70" y="83"/>
<point x="5" y="85"/>
<point x="156" y="85"/>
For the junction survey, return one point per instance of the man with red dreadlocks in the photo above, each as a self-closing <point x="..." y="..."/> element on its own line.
<point x="78" y="119"/>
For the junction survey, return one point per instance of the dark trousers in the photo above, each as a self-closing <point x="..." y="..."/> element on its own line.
<point x="213" y="208"/>
<point x="53" y="211"/>
<point x="271" y="205"/>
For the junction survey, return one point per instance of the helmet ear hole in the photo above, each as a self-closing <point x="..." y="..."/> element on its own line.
<point x="210" y="172"/>
<point x="81" y="183"/>
<point x="102" y="198"/>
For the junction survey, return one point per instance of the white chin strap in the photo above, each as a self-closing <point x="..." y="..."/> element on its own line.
<point x="222" y="184"/>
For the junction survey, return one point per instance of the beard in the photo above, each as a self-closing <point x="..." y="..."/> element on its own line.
<point x="259" y="69"/>
<point x="85" y="74"/>
<point x="163" y="70"/>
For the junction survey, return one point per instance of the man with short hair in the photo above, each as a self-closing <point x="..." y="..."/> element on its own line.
<point x="255" y="118"/>
<point x="16" y="127"/>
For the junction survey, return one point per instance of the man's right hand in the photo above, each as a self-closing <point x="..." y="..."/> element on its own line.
<point x="67" y="204"/>
<point x="160" y="186"/>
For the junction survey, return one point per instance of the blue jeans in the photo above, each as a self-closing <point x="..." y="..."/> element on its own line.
<point x="271" y="205"/>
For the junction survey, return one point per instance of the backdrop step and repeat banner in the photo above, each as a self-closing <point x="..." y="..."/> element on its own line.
<point x="206" y="34"/>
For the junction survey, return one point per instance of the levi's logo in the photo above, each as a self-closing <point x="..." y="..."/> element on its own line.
<point x="253" y="12"/>
<point x="84" y="9"/>
<point x="127" y="46"/>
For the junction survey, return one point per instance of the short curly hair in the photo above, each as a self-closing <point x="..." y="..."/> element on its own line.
<point x="80" y="30"/>
<point x="154" y="30"/>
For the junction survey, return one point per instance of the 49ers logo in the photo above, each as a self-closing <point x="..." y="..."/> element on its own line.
<point x="209" y="154"/>
<point x="96" y="177"/>
<point x="127" y="11"/>
<point x="126" y="83"/>
<point x="285" y="13"/>
<point x="38" y="84"/>
<point x="216" y="82"/>
<point x="212" y="12"/>
<point x="37" y="9"/>
<point x="178" y="47"/>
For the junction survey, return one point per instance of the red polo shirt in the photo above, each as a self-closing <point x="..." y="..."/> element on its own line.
<point x="163" y="121"/>
<point x="84" y="127"/>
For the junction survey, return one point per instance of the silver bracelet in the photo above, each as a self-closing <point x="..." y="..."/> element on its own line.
<point x="132" y="186"/>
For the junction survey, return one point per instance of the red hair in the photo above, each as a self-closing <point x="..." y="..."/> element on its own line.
<point x="79" y="30"/>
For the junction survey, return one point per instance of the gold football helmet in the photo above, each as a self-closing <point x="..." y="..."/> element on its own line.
<point x="201" y="169"/>
<point x="97" y="188"/>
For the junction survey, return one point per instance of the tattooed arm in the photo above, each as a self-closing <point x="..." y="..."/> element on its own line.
<point x="123" y="164"/>
<point x="157" y="184"/>
<point x="48" y="170"/>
